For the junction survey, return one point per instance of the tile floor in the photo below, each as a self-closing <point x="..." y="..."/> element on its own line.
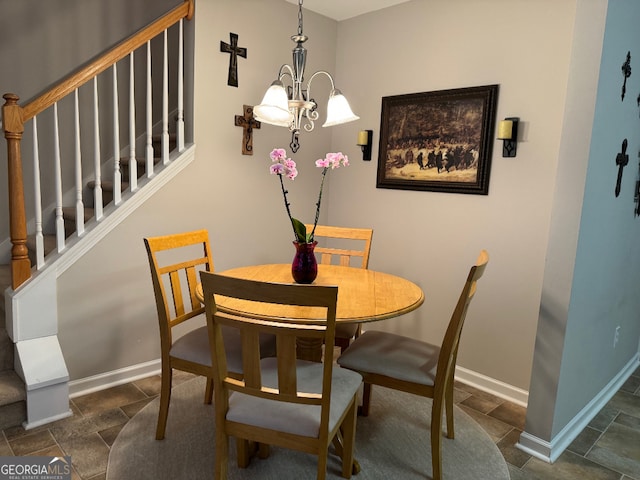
<point x="607" y="449"/>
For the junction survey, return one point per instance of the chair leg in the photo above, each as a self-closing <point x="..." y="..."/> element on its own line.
<point x="208" y="393"/>
<point x="343" y="343"/>
<point x="322" y="463"/>
<point x="264" y="451"/>
<point x="366" y="399"/>
<point x="243" y="449"/>
<point x="349" y="439"/>
<point x="165" y="397"/>
<point x="222" y="454"/>
<point x="448" y="401"/>
<point x="436" y="438"/>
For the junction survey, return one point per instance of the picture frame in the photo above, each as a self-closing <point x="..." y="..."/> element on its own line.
<point x="439" y="141"/>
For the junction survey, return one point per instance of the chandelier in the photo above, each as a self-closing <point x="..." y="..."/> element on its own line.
<point x="294" y="107"/>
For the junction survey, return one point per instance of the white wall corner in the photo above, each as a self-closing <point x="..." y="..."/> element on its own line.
<point x="32" y="309"/>
<point x="549" y="451"/>
<point x="40" y="363"/>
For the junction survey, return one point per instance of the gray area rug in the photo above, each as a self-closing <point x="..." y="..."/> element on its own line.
<point x="392" y="443"/>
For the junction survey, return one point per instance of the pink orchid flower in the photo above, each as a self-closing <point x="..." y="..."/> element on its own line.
<point x="287" y="167"/>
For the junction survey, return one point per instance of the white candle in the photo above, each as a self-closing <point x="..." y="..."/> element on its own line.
<point x="504" y="129"/>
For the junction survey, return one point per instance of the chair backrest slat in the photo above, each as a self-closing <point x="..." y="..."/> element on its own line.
<point x="286" y="386"/>
<point x="327" y="252"/>
<point x="176" y="277"/>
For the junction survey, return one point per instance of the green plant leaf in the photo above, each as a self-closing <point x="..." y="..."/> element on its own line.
<point x="300" y="230"/>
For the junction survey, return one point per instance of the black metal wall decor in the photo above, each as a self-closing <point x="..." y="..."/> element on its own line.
<point x="622" y="159"/>
<point x="626" y="73"/>
<point x="235" y="51"/>
<point x="636" y="196"/>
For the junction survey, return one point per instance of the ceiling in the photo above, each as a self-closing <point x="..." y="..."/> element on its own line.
<point x="343" y="9"/>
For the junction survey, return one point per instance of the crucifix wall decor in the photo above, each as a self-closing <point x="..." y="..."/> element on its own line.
<point x="626" y="73"/>
<point x="235" y="51"/>
<point x="248" y="123"/>
<point x="622" y="159"/>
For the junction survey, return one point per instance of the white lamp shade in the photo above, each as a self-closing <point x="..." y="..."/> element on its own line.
<point x="274" y="108"/>
<point x="338" y="110"/>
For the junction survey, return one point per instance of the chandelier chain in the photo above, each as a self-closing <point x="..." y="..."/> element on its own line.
<point x="300" y="17"/>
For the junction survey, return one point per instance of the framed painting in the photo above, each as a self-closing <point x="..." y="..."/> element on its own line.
<point x="439" y="141"/>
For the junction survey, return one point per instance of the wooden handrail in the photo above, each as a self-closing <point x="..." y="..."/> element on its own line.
<point x="14" y="117"/>
<point x="82" y="76"/>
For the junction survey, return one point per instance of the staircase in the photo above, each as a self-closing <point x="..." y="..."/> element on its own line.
<point x="12" y="388"/>
<point x="70" y="213"/>
<point x="33" y="374"/>
<point x="12" y="392"/>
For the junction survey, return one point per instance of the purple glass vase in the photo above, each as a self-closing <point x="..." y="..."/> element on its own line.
<point x="304" y="268"/>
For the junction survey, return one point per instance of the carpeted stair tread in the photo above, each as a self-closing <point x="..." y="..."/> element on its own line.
<point x="108" y="186"/>
<point x="6" y="351"/>
<point x="49" y="245"/>
<point x="11" y="388"/>
<point x="69" y="213"/>
<point x="141" y="165"/>
<point x="157" y="137"/>
<point x="13" y="407"/>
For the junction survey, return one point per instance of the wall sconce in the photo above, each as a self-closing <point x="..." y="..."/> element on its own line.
<point x="365" y="139"/>
<point x="508" y="133"/>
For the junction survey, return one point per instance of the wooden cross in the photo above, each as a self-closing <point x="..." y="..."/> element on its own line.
<point x="248" y="123"/>
<point x="622" y="159"/>
<point x="235" y="51"/>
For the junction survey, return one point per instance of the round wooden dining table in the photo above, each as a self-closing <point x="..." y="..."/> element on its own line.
<point x="363" y="296"/>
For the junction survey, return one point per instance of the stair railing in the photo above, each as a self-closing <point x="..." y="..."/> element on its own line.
<point x="15" y="117"/>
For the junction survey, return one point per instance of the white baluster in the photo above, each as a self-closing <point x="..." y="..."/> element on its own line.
<point x="78" y="161"/>
<point x="165" y="103"/>
<point x="60" y="235"/>
<point x="180" y="120"/>
<point x="149" y="142"/>
<point x="97" y="192"/>
<point x="117" y="175"/>
<point x="133" y="163"/>
<point x="38" y="197"/>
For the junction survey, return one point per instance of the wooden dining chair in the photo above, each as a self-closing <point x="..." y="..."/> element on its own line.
<point x="175" y="261"/>
<point x="281" y="401"/>
<point x="349" y="257"/>
<point x="417" y="367"/>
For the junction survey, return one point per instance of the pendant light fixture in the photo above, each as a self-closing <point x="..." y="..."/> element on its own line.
<point x="294" y="107"/>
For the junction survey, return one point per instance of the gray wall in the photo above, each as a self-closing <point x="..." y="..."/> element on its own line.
<point x="603" y="295"/>
<point x="433" y="237"/>
<point x="41" y="43"/>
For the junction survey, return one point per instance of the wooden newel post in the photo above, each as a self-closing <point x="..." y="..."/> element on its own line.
<point x="13" y="125"/>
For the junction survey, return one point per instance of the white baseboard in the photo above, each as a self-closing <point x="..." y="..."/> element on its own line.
<point x="114" y="378"/>
<point x="492" y="386"/>
<point x="549" y="451"/>
<point x="106" y="380"/>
